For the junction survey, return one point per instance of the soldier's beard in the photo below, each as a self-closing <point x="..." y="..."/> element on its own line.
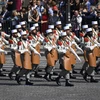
<point x="34" y="33"/>
<point x="24" y="39"/>
<point x="15" y="36"/>
<point x="24" y="28"/>
<point x="59" y="28"/>
<point x="96" y="28"/>
<point x="51" y="37"/>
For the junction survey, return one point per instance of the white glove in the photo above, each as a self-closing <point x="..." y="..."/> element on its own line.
<point x="54" y="46"/>
<point x="49" y="48"/>
<point x="37" y="53"/>
<point x="81" y="50"/>
<point x="95" y="45"/>
<point x="92" y="47"/>
<point x="6" y="52"/>
<point x="79" y="59"/>
<point x="26" y="49"/>
<point x="99" y="45"/>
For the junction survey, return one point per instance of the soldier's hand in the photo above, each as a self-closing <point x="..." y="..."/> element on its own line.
<point x="6" y="52"/>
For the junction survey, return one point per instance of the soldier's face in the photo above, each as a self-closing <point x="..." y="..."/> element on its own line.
<point x="24" y="26"/>
<point x="96" y="26"/>
<point x="59" y="26"/>
<point x="19" y="30"/>
<point x="51" y="36"/>
<point x="64" y="38"/>
<point x="37" y="28"/>
<point x="24" y="37"/>
<point x="34" y="32"/>
<point x="67" y="31"/>
<point x="70" y="28"/>
<point x="90" y="34"/>
<point x="15" y="35"/>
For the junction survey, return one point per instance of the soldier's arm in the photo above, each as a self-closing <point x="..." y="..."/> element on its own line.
<point x="78" y="47"/>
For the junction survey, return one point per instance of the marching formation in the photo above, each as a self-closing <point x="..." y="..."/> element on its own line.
<point x="59" y="44"/>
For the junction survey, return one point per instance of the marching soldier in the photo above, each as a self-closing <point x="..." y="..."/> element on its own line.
<point x="13" y="41"/>
<point x="95" y="31"/>
<point x="58" y="29"/>
<point x="23" y="26"/>
<point x="73" y="38"/>
<point x="19" y="29"/>
<point x="35" y="43"/>
<point x="55" y="50"/>
<point x="24" y="49"/>
<point x="3" y="42"/>
<point x="82" y="34"/>
<point x="65" y="50"/>
<point x="49" y="46"/>
<point x="74" y="45"/>
<point x="91" y="58"/>
<point x="72" y="34"/>
<point x="54" y="32"/>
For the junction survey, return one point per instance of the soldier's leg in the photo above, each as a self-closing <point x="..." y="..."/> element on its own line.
<point x="67" y="78"/>
<point x="21" y="73"/>
<point x="54" y="73"/>
<point x="1" y="65"/>
<point x="71" y="75"/>
<point x="36" y="68"/>
<point x="97" y="67"/>
<point x="62" y="73"/>
<point x="85" y="65"/>
<point x="15" y="69"/>
<point x="90" y="72"/>
<point x="66" y="75"/>
<point x="48" y="72"/>
<point x="28" y="82"/>
<point x="73" y="69"/>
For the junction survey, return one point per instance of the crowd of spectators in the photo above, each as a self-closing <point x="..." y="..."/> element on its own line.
<point x="47" y="12"/>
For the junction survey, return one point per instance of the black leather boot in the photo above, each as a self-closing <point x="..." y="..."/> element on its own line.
<point x="47" y="77"/>
<point x="50" y="77"/>
<point x="93" y="80"/>
<point x="37" y="75"/>
<point x="67" y="83"/>
<point x="28" y="82"/>
<point x="75" y="72"/>
<point x="58" y="80"/>
<point x="10" y="75"/>
<point x="85" y="77"/>
<point x="16" y="76"/>
<point x="18" y="80"/>
<point x="72" y="77"/>
<point x="82" y="72"/>
<point x="1" y="74"/>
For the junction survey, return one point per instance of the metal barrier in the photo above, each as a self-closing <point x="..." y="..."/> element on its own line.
<point x="7" y="26"/>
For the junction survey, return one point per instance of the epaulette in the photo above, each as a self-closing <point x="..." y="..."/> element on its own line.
<point x="30" y="37"/>
<point x="59" y="42"/>
<point x="81" y="35"/>
<point x="10" y="41"/>
<point x="19" y="43"/>
<point x="46" y="40"/>
<point x="86" y="39"/>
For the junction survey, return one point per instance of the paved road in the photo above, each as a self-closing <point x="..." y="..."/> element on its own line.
<point x="43" y="90"/>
